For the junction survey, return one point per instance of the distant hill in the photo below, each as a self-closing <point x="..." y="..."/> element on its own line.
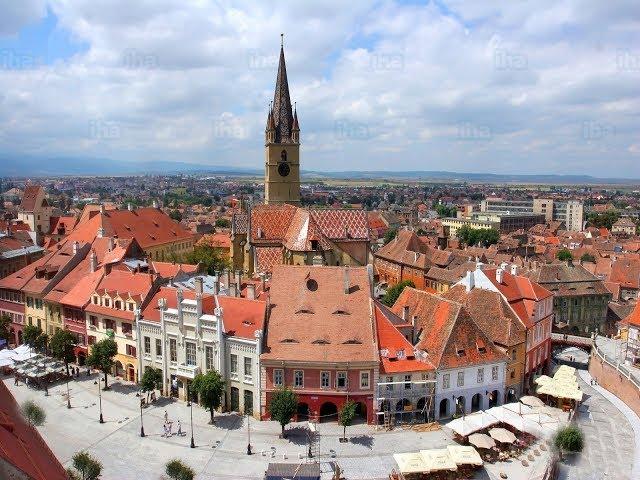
<point x="31" y="166"/>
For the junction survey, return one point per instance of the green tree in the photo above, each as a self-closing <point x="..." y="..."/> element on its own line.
<point x="33" y="413"/>
<point x="604" y="219"/>
<point x="5" y="328"/>
<point x="209" y="257"/>
<point x="283" y="405"/>
<point x="209" y="387"/>
<point x="101" y="356"/>
<point x="478" y="236"/>
<point x="175" y="215"/>
<point x="34" y="337"/>
<point x="177" y="470"/>
<point x="346" y="416"/>
<point x="446" y="212"/>
<point x="151" y="380"/>
<point x="587" y="257"/>
<point x="564" y="255"/>
<point x="569" y="439"/>
<point x="394" y="292"/>
<point x="390" y="235"/>
<point x="223" y="223"/>
<point x="62" y="344"/>
<point x="88" y="468"/>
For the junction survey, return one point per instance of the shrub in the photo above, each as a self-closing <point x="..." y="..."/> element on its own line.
<point x="177" y="470"/>
<point x="33" y="413"/>
<point x="569" y="439"/>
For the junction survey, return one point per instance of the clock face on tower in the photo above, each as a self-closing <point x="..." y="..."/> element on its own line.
<point x="283" y="169"/>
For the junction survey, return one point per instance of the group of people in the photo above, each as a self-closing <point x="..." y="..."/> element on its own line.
<point x="168" y="427"/>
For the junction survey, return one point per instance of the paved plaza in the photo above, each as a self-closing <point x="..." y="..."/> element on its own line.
<point x="220" y="451"/>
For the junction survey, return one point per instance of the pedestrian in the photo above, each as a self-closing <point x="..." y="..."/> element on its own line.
<point x="166" y="417"/>
<point x="165" y="430"/>
<point x="16" y="380"/>
<point x="179" y="429"/>
<point x="170" y="426"/>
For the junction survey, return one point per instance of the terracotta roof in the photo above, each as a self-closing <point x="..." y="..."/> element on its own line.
<point x="216" y="240"/>
<point x="634" y="318"/>
<point x="409" y="250"/>
<point x="22" y="446"/>
<point x="396" y="352"/>
<point x="626" y="272"/>
<point x="267" y="258"/>
<point x="64" y="223"/>
<point x="567" y="280"/>
<point x="241" y="316"/>
<point x="171" y="270"/>
<point x="624" y="222"/>
<point x="447" y="333"/>
<point x="80" y="294"/>
<point x="29" y="197"/>
<point x="270" y="223"/>
<point x="125" y="284"/>
<point x="312" y="319"/>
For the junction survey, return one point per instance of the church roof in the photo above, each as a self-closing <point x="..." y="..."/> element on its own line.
<point x="282" y="113"/>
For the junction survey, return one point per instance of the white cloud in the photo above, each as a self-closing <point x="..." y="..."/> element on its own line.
<point x="471" y="86"/>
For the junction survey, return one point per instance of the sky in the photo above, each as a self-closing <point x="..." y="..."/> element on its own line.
<point x="518" y="87"/>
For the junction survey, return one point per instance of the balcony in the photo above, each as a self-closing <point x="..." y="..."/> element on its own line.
<point x="187" y="371"/>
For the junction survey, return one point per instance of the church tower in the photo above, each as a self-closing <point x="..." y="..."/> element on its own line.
<point x="282" y="145"/>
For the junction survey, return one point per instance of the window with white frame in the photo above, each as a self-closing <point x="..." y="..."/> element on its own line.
<point x="494" y="374"/>
<point x="364" y="380"/>
<point x="190" y="352"/>
<point x="341" y="380"/>
<point x="147" y="345"/>
<point x="407" y="382"/>
<point x="325" y="379"/>
<point x="298" y="379"/>
<point x="390" y="386"/>
<point x="480" y="375"/>
<point x="158" y="347"/>
<point x="173" y="350"/>
<point x="234" y="363"/>
<point x="446" y="380"/>
<point x="278" y="377"/>
<point x="208" y="357"/>
<point x="247" y="367"/>
<point x="460" y="379"/>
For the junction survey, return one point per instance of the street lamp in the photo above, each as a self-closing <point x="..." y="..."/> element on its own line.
<point x="248" y="435"/>
<point x="141" y="424"/>
<point x="97" y="382"/>
<point x="68" y="395"/>
<point x="193" y="444"/>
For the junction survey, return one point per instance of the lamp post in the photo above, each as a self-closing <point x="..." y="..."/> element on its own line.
<point x="141" y="424"/>
<point x="97" y="382"/>
<point x="68" y="394"/>
<point x="248" y="435"/>
<point x="193" y="444"/>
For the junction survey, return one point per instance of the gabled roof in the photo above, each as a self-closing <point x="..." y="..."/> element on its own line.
<point x="242" y="317"/>
<point x="408" y="249"/>
<point x="447" y="333"/>
<point x="634" y="317"/>
<point x="172" y="270"/>
<point x="30" y="197"/>
<point x="626" y="272"/>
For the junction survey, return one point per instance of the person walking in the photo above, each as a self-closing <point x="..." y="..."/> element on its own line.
<point x="179" y="429"/>
<point x="166" y="432"/>
<point x="166" y="417"/>
<point x="170" y="428"/>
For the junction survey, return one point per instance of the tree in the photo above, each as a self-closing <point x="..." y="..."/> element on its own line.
<point x="569" y="439"/>
<point x="223" y="223"/>
<point x="445" y="211"/>
<point x="564" y="255"/>
<point x="177" y="470"/>
<point x="394" y="292"/>
<point x="34" y="337"/>
<point x="478" y="236"/>
<point x="283" y="405"/>
<point x="88" y="468"/>
<point x="390" y="235"/>
<point x="346" y="416"/>
<point x="101" y="356"/>
<point x="33" y="413"/>
<point x="209" y="386"/>
<point x="151" y="380"/>
<point x="211" y="258"/>
<point x="5" y="327"/>
<point x="604" y="219"/>
<point x="62" y="344"/>
<point x="587" y="257"/>
<point x="175" y="215"/>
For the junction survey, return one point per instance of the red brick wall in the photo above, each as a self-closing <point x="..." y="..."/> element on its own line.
<point x="608" y="377"/>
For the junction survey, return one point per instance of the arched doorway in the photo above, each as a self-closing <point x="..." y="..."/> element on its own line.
<point x="443" y="410"/>
<point x="119" y="369"/>
<point x="460" y="405"/>
<point x="511" y="395"/>
<point x="235" y="399"/>
<point x="361" y="411"/>
<point x="302" y="413"/>
<point x="131" y="373"/>
<point x="328" y="412"/>
<point x="248" y="402"/>
<point x="421" y="411"/>
<point x="82" y="358"/>
<point x="493" y="399"/>
<point x="476" y="402"/>
<point x="20" y="342"/>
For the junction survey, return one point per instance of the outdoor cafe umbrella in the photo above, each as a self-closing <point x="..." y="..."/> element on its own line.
<point x="502" y="435"/>
<point x="464" y="455"/>
<point x="482" y="440"/>
<point x="532" y="401"/>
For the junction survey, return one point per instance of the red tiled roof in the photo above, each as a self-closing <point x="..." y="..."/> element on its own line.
<point x="29" y="197"/>
<point x="22" y="446"/>
<point x="80" y="294"/>
<point x="312" y="319"/>
<point x="152" y="313"/>
<point x="171" y="270"/>
<point x="409" y="250"/>
<point x="634" y="318"/>
<point x="626" y="272"/>
<point x="396" y="352"/>
<point x="267" y="258"/>
<point x="242" y="317"/>
<point x="216" y="240"/>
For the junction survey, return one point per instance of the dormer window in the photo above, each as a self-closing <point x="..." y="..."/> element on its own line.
<point x="107" y="302"/>
<point x="321" y="341"/>
<point x="341" y="311"/>
<point x="353" y="341"/>
<point x="289" y="340"/>
<point x="460" y="352"/>
<point x="118" y="305"/>
<point x="305" y="310"/>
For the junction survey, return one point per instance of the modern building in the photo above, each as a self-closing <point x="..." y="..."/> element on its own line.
<point x="508" y="222"/>
<point x="570" y="212"/>
<point x="320" y="340"/>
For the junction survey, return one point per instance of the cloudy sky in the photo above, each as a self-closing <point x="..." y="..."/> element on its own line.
<point x="469" y="86"/>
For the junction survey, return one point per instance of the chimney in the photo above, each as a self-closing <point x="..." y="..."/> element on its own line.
<point x="93" y="261"/>
<point x="259" y="232"/>
<point x="371" y="280"/>
<point x="76" y="246"/>
<point x="251" y="291"/>
<point x="514" y="270"/>
<point x="111" y="243"/>
<point x="100" y="232"/>
<point x="102" y="209"/>
<point x="232" y="290"/>
<point x="405" y="313"/>
<point x="216" y="285"/>
<point x="227" y="278"/>
<point x="198" y="285"/>
<point x="414" y="321"/>
<point x="263" y="279"/>
<point x="239" y="281"/>
<point x="130" y="207"/>
<point x="347" y="285"/>
<point x="470" y="281"/>
<point x="499" y="273"/>
<point x="179" y="298"/>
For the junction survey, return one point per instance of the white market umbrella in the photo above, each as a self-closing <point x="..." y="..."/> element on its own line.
<point x="531" y="401"/>
<point x="502" y="435"/>
<point x="481" y="440"/>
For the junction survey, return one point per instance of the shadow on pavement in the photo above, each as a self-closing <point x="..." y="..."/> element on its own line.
<point x="298" y="435"/>
<point x="364" y="440"/>
<point x="228" y="422"/>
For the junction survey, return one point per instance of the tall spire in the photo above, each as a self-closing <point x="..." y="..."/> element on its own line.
<point x="282" y="112"/>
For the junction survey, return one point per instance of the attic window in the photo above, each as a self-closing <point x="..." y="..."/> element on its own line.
<point x="156" y="224"/>
<point x="481" y="346"/>
<point x="289" y="340"/>
<point x="321" y="341"/>
<point x="341" y="311"/>
<point x="352" y="341"/>
<point x="305" y="310"/>
<point x="127" y="227"/>
<point x="312" y="285"/>
<point x="460" y="352"/>
<point x="247" y="322"/>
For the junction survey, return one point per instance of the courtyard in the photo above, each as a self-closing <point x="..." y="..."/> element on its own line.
<point x="221" y="449"/>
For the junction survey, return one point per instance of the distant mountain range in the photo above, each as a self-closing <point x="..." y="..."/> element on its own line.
<point x="31" y="166"/>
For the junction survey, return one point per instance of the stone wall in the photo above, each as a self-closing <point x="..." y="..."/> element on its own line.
<point x="615" y="381"/>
